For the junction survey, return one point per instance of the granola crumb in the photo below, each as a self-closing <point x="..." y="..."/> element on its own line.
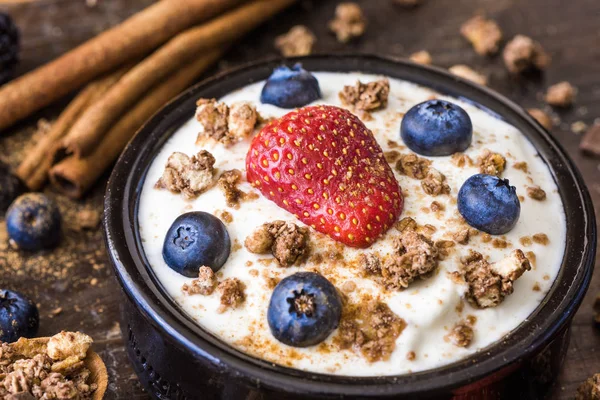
<point x="491" y="163"/>
<point x="421" y="57"/>
<point x="298" y="41"/>
<point x="391" y="156"/>
<point x="523" y="53"/>
<point x="224" y="216"/>
<point x="232" y="294"/>
<point x="190" y="176"/>
<point x="349" y="22"/>
<point x="228" y="183"/>
<point x="444" y="248"/>
<point x="525" y="241"/>
<point x="486" y="238"/>
<point x="536" y="193"/>
<point x="463" y="236"/>
<point x="411" y="356"/>
<point x="541" y="238"/>
<point x="461" y="160"/>
<point x="369" y="264"/>
<point x="285" y="240"/>
<point x="483" y="33"/>
<point x="590" y="389"/>
<point x="499" y="243"/>
<point x="434" y="183"/>
<point x="521" y="165"/>
<point x="560" y="95"/>
<point x="490" y="283"/>
<point x="406" y="223"/>
<point x="542" y="117"/>
<point x="67" y="344"/>
<point x="466" y="72"/>
<point x="461" y="334"/>
<point x="205" y="284"/>
<point x="413" y="166"/>
<point x="436" y="206"/>
<point x="366" y="97"/>
<point x="87" y="219"/>
<point x="536" y="287"/>
<point x="225" y="124"/>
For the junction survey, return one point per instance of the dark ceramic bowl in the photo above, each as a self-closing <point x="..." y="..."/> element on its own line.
<point x="176" y="359"/>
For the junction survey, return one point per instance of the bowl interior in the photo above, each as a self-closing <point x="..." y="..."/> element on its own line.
<point x="141" y="285"/>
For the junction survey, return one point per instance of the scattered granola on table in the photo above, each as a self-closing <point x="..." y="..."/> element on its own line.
<point x="590" y="389"/>
<point x="523" y="53"/>
<point x="223" y="123"/>
<point x="188" y="175"/>
<point x="464" y="71"/>
<point x="349" y="22"/>
<point x="561" y="94"/>
<point x="40" y="369"/>
<point x="590" y="144"/>
<point x="298" y="41"/>
<point x="421" y="57"/>
<point x="366" y="97"/>
<point x="541" y="117"/>
<point x="483" y="33"/>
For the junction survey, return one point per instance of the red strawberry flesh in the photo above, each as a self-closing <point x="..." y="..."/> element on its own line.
<point x="322" y="164"/>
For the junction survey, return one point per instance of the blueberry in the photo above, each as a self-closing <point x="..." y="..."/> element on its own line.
<point x="489" y="204"/>
<point x="196" y="239"/>
<point x="436" y="128"/>
<point x="33" y="222"/>
<point x="11" y="187"/>
<point x="304" y="309"/>
<point x="18" y="316"/>
<point x="290" y="88"/>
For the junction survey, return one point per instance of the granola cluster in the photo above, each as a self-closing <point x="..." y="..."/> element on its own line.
<point x="40" y="369"/>
<point x="560" y="95"/>
<point x="223" y="123"/>
<point x="228" y="183"/>
<point x="366" y="97"/>
<point x="298" y="41"/>
<point x="188" y="175"/>
<point x="349" y="22"/>
<point x="285" y="240"/>
<point x="231" y="290"/>
<point x="461" y="334"/>
<point x="523" y="53"/>
<point x="483" y="33"/>
<point x="491" y="163"/>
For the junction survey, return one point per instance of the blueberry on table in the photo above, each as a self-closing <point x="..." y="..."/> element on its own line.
<point x="290" y="88"/>
<point x="18" y="316"/>
<point x="9" y="47"/>
<point x="304" y="309"/>
<point x="196" y="239"/>
<point x="33" y="222"/>
<point x="11" y="187"/>
<point x="436" y="128"/>
<point x="489" y="204"/>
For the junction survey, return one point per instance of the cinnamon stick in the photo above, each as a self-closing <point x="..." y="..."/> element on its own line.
<point x="125" y="42"/>
<point x="74" y="176"/>
<point x="90" y="128"/>
<point x="33" y="170"/>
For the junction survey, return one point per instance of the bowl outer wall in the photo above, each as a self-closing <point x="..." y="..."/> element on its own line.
<point x="140" y="284"/>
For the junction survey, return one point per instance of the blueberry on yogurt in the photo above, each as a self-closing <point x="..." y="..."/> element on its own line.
<point x="489" y="204"/>
<point x="196" y="239"/>
<point x="290" y="87"/>
<point x="19" y="316"/>
<point x="436" y="128"/>
<point x="304" y="309"/>
<point x="33" y="222"/>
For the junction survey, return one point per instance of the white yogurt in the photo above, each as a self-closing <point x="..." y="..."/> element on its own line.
<point x="427" y="306"/>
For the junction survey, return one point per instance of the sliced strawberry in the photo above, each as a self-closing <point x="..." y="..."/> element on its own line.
<point x="322" y="164"/>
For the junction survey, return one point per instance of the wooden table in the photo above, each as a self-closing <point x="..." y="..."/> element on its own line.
<point x="74" y="286"/>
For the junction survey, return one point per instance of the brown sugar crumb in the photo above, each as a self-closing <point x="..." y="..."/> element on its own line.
<point x="541" y="238"/>
<point x="541" y="117"/>
<point x="525" y="241"/>
<point x="461" y="160"/>
<point x="536" y="193"/>
<point x="205" y="284"/>
<point x="228" y="182"/>
<point x="532" y="259"/>
<point x="188" y="175"/>
<point x="468" y="73"/>
<point x="436" y="206"/>
<point x="415" y="256"/>
<point x="406" y="223"/>
<point x="536" y="287"/>
<point x="285" y="240"/>
<point x="298" y="41"/>
<point x="413" y="166"/>
<point x="370" y="328"/>
<point x="560" y="95"/>
<point x="483" y="33"/>
<point x="421" y="57"/>
<point x="486" y="238"/>
<point x="366" y="97"/>
<point x="224" y="216"/>
<point x="491" y="163"/>
<point x="490" y="283"/>
<point x="225" y="124"/>
<point x="391" y="156"/>
<point x="411" y="356"/>
<point x="461" y="334"/>
<point x="232" y="294"/>
<point x="523" y="53"/>
<point x="590" y="389"/>
<point x="348" y="23"/>
<point x="522" y="165"/>
<point x="434" y="183"/>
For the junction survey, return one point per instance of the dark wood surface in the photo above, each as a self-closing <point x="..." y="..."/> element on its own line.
<point x="76" y="278"/>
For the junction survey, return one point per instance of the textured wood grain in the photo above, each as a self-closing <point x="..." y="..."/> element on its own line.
<point x="569" y="33"/>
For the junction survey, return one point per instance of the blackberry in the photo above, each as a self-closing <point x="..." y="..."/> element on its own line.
<point x="9" y="47"/>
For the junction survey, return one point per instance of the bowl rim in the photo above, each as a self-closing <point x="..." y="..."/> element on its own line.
<point x="549" y="318"/>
